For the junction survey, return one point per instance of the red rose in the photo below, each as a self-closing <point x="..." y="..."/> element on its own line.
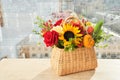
<point x="50" y="38"/>
<point x="58" y="22"/>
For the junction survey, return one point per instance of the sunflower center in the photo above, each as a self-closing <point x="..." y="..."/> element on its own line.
<point x="68" y="35"/>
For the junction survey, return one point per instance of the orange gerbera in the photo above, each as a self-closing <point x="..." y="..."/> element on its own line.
<point x="88" y="41"/>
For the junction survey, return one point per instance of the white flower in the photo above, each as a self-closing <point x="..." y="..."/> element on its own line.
<point x="57" y="29"/>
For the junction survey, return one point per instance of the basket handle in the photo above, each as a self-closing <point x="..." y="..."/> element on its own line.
<point x="68" y="19"/>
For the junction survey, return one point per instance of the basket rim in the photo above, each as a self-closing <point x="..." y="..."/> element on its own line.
<point x="75" y="48"/>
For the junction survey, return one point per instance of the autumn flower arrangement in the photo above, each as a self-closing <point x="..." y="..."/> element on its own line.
<point x="71" y="32"/>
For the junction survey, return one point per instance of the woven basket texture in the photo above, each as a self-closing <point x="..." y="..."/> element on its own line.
<point x="67" y="62"/>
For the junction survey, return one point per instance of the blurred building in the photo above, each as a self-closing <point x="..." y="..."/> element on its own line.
<point x="19" y="17"/>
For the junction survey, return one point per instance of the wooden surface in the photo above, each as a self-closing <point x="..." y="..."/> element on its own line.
<point x="39" y="69"/>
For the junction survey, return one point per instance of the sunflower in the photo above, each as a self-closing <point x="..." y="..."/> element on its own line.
<point x="70" y="35"/>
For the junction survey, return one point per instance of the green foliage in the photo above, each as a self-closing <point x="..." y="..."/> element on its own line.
<point x="60" y="44"/>
<point x="40" y="22"/>
<point x="104" y="37"/>
<point x="70" y="47"/>
<point x="36" y="32"/>
<point x="99" y="35"/>
<point x="101" y="46"/>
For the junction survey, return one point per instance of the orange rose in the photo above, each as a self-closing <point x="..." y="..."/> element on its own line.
<point x="88" y="41"/>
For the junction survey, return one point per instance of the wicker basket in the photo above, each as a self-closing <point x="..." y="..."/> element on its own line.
<point x="81" y="59"/>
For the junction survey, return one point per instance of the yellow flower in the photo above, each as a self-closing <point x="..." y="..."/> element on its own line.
<point x="70" y="32"/>
<point x="66" y="43"/>
<point x="88" y="41"/>
<point x="88" y="23"/>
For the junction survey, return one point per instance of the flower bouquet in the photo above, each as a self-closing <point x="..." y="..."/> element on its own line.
<point x="73" y="40"/>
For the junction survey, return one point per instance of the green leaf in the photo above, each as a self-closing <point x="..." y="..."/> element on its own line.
<point x="97" y="34"/>
<point x="60" y="44"/>
<point x="98" y="26"/>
